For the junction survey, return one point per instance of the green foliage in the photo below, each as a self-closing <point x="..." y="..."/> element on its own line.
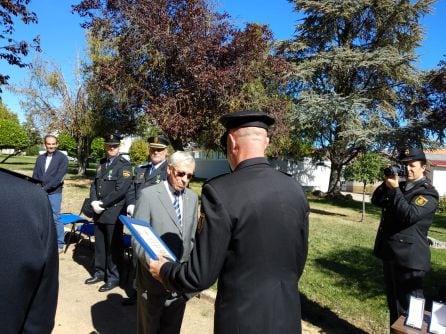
<point x="12" y="135"/>
<point x="442" y="206"/>
<point x="5" y="113"/>
<point x="97" y="148"/>
<point x="32" y="150"/>
<point x="366" y="168"/>
<point x="138" y="152"/>
<point x="67" y="143"/>
<point x="352" y="69"/>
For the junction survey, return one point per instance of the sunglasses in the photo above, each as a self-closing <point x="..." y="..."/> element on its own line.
<point x="108" y="146"/>
<point x="182" y="174"/>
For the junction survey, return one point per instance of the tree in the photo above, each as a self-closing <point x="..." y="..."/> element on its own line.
<point x="184" y="64"/>
<point x="5" y="113"/>
<point x="435" y="99"/>
<point x="12" y="135"/>
<point x="353" y="63"/>
<point x="13" y="50"/>
<point x="53" y="105"/>
<point x="368" y="169"/>
<point x="138" y="151"/>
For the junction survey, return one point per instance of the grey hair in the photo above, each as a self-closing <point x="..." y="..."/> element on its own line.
<point x="181" y="157"/>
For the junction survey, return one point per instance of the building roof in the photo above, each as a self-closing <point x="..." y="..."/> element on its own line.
<point x="437" y="163"/>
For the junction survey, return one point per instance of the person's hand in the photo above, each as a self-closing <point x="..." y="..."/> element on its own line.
<point x="97" y="208"/>
<point x="155" y="267"/>
<point x="392" y="181"/>
<point x="130" y="209"/>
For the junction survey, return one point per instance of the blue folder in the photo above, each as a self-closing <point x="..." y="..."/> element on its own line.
<point x="130" y="224"/>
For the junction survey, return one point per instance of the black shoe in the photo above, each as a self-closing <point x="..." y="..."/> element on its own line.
<point x="94" y="279"/>
<point x="108" y="286"/>
<point x="129" y="301"/>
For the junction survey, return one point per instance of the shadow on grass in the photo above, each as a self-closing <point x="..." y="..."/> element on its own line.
<point x="357" y="271"/>
<point x="325" y="319"/>
<point x="348" y="204"/>
<point x="327" y="213"/>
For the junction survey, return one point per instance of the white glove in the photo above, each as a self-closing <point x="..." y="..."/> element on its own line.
<point x="130" y="209"/>
<point x="97" y="208"/>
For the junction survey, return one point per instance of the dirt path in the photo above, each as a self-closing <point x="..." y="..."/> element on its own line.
<point x="83" y="310"/>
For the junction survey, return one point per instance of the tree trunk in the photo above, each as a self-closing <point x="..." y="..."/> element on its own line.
<point x="334" y="186"/>
<point x="11" y="155"/>
<point x="83" y="152"/>
<point x="363" y="204"/>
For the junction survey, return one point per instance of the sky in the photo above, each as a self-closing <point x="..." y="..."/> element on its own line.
<point x="63" y="40"/>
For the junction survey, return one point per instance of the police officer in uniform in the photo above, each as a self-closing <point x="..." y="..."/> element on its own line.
<point x="150" y="173"/>
<point x="107" y="195"/>
<point x="252" y="235"/>
<point x="408" y="208"/>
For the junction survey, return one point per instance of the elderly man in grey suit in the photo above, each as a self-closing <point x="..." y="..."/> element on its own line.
<point x="172" y="210"/>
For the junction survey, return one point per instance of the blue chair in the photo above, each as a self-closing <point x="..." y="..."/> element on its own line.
<point x="72" y="219"/>
<point x="85" y="229"/>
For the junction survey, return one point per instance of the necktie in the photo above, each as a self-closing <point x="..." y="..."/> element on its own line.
<point x="152" y="170"/>
<point x="176" y="205"/>
<point x="107" y="163"/>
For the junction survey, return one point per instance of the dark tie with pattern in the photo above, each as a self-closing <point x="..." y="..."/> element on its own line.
<point x="176" y="205"/>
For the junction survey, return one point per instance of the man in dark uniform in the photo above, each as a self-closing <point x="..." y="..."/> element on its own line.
<point x="408" y="208"/>
<point x="252" y="235"/>
<point x="29" y="260"/>
<point x="107" y="194"/>
<point x="152" y="172"/>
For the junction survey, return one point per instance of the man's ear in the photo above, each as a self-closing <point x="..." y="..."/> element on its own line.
<point x="231" y="141"/>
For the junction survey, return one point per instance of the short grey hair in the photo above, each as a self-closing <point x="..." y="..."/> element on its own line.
<point x="180" y="157"/>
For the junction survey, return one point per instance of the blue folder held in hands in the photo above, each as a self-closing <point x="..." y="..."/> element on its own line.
<point x="147" y="238"/>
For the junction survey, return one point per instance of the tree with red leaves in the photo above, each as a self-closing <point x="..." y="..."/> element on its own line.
<point x="184" y="64"/>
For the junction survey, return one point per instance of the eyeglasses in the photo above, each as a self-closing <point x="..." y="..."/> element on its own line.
<point x="182" y="174"/>
<point x="109" y="146"/>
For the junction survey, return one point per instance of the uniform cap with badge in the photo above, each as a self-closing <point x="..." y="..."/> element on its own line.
<point x="158" y="142"/>
<point x="112" y="138"/>
<point x="412" y="154"/>
<point x="244" y="119"/>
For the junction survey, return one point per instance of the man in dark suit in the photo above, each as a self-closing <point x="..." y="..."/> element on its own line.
<point x="408" y="208"/>
<point x="50" y="170"/>
<point x="172" y="210"/>
<point x="29" y="261"/>
<point x="152" y="172"/>
<point x="252" y="235"/>
<point x="107" y="195"/>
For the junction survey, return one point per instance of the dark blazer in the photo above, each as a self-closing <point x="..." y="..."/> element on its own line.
<point x="110" y="186"/>
<point x="405" y="221"/>
<point x="142" y="178"/>
<point x="253" y="236"/>
<point x="52" y="179"/>
<point x="29" y="278"/>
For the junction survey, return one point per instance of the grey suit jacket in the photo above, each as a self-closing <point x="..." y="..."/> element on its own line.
<point x="155" y="206"/>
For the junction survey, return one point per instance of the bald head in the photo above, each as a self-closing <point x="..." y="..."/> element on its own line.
<point x="246" y="143"/>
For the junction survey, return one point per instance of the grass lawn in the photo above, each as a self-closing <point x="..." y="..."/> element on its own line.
<point x="342" y="282"/>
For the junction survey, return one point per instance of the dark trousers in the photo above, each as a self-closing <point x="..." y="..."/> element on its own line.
<point x="109" y="251"/>
<point x="400" y="284"/>
<point x="153" y="317"/>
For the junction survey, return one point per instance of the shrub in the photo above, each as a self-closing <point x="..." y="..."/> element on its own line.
<point x="138" y="152"/>
<point x="442" y="205"/>
<point x="32" y="150"/>
<point x="97" y="148"/>
<point x="67" y="143"/>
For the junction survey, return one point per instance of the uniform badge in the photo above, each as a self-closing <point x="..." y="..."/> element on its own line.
<point x="421" y="200"/>
<point x="126" y="173"/>
<point x="200" y="224"/>
<point x="406" y="152"/>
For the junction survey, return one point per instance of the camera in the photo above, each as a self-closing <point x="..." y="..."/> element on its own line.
<point x="397" y="168"/>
